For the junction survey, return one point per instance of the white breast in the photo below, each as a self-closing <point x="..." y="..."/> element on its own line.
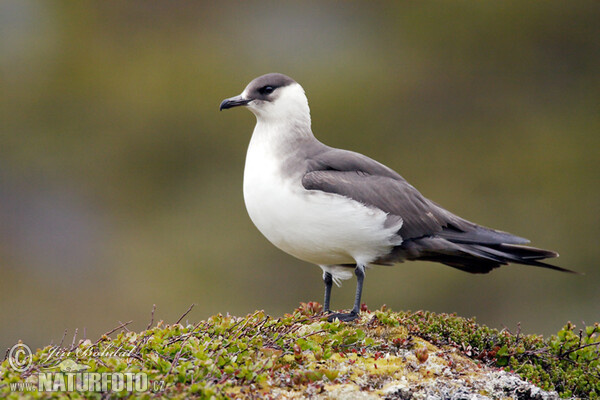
<point x="314" y="226"/>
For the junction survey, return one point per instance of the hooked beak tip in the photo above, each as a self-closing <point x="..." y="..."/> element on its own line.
<point x="233" y="102"/>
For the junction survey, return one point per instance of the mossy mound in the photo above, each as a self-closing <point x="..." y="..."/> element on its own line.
<point x="384" y="354"/>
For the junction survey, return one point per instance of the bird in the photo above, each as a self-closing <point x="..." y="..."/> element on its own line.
<point x="346" y="212"/>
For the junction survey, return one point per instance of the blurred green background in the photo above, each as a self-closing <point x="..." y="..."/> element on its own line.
<point x="121" y="183"/>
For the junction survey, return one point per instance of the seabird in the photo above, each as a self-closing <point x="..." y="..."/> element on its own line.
<point x="344" y="211"/>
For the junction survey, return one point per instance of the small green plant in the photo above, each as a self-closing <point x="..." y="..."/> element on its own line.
<point x="568" y="363"/>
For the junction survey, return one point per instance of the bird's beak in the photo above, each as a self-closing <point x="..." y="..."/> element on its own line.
<point x="234" y="102"/>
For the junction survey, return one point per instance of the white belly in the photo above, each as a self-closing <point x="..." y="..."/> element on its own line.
<point x="314" y="226"/>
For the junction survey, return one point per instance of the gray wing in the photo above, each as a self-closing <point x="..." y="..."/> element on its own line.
<point x="371" y="183"/>
<point x="429" y="232"/>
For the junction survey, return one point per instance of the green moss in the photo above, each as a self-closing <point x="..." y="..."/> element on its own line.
<point x="228" y="356"/>
<point x="568" y="363"/>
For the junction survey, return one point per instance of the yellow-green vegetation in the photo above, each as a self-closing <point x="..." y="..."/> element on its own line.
<point x="384" y="353"/>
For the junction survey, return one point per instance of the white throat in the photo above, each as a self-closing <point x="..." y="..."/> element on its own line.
<point x="287" y="114"/>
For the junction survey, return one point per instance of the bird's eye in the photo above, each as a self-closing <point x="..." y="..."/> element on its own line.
<point x="266" y="90"/>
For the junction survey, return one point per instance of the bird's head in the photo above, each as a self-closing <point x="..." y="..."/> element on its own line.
<point x="273" y="98"/>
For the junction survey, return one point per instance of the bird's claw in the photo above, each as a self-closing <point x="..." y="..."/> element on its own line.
<point x="343" y="317"/>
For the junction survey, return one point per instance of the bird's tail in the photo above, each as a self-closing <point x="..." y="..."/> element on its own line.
<point x="476" y="257"/>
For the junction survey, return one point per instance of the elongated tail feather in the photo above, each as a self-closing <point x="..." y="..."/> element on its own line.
<point x="473" y="257"/>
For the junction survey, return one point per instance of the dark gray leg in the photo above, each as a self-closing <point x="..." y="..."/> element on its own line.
<point x="328" y="279"/>
<point x="360" y="278"/>
<point x="352" y="315"/>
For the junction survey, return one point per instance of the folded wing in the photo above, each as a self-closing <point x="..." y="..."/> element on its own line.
<point x="429" y="232"/>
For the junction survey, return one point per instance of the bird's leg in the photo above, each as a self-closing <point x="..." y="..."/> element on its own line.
<point x="352" y="315"/>
<point x="328" y="279"/>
